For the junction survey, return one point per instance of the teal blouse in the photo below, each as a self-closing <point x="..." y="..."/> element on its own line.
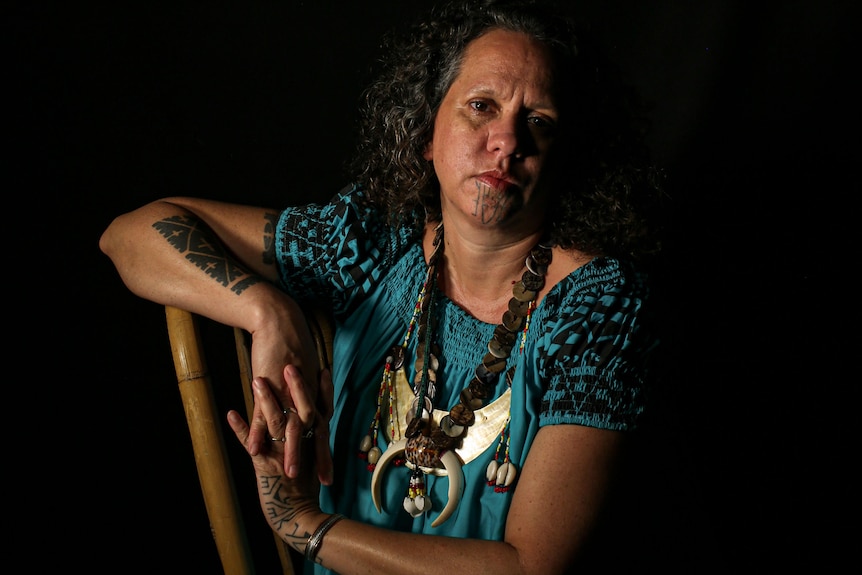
<point x="583" y="360"/>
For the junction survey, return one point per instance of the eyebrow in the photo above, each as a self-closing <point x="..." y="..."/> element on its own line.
<point x="484" y="90"/>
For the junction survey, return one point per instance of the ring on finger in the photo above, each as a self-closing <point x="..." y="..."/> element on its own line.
<point x="306" y="434"/>
<point x="281" y="439"/>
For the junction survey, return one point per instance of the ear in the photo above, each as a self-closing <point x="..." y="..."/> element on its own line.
<point x="428" y="153"/>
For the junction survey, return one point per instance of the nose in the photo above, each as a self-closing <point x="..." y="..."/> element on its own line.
<point x="503" y="138"/>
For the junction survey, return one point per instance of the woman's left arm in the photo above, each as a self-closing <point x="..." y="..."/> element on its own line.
<point x="558" y="500"/>
<point x="560" y="495"/>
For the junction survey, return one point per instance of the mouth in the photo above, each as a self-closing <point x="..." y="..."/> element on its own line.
<point x="498" y="181"/>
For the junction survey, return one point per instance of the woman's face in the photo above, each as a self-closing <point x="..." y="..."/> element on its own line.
<point x="494" y="132"/>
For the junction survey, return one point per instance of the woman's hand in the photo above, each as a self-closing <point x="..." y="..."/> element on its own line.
<point x="308" y="421"/>
<point x="283" y="353"/>
<point x="156" y="249"/>
<point x="287" y="501"/>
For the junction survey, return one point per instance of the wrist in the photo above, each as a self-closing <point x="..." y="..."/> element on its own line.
<point x="277" y="320"/>
<point x="315" y="540"/>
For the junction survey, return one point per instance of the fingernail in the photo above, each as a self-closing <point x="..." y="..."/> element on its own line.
<point x="293" y="471"/>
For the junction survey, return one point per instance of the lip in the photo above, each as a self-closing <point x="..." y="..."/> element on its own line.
<point x="498" y="181"/>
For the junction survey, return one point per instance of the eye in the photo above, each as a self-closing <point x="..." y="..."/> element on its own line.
<point x="479" y="106"/>
<point x="541" y="122"/>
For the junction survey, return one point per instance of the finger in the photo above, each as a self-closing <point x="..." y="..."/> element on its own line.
<point x="323" y="455"/>
<point x="239" y="427"/>
<point x="298" y="420"/>
<point x="268" y="461"/>
<point x="258" y="433"/>
<point x="271" y="412"/>
<point x="264" y="424"/>
<point x="299" y="395"/>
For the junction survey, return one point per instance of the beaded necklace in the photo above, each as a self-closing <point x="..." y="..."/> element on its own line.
<point x="430" y="439"/>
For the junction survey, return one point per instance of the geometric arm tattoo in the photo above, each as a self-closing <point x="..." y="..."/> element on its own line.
<point x="269" y="237"/>
<point x="280" y="512"/>
<point x="193" y="237"/>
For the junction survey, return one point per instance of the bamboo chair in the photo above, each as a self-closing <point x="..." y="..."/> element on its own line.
<point x="205" y="423"/>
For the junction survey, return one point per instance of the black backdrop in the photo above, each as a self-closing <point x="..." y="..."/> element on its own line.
<point x="253" y="101"/>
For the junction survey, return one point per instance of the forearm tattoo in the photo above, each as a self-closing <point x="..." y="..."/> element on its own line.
<point x="269" y="238"/>
<point x="280" y="512"/>
<point x="192" y="237"/>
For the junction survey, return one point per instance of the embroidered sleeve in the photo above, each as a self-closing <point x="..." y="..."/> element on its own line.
<point x="334" y="252"/>
<point x="596" y="349"/>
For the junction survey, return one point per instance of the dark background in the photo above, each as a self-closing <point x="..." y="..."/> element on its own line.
<point x="754" y="118"/>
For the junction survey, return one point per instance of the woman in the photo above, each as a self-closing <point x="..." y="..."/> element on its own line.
<point x="491" y="326"/>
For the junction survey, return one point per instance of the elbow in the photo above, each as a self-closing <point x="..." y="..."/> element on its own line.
<point x="106" y="240"/>
<point x="111" y="238"/>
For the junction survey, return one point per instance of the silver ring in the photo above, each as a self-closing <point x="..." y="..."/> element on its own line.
<point x="308" y="433"/>
<point x="283" y="439"/>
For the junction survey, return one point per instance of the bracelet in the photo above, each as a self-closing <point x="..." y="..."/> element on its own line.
<point x="314" y="542"/>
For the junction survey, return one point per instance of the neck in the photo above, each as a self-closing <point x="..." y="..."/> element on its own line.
<point x="478" y="276"/>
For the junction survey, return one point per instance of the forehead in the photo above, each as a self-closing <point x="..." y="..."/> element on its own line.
<point x="504" y="56"/>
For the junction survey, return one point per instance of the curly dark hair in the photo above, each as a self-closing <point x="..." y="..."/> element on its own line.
<point x="609" y="202"/>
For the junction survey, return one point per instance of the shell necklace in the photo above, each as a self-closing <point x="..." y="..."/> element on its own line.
<point x="439" y="442"/>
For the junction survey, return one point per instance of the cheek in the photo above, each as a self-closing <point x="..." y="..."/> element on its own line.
<point x="458" y="146"/>
<point x="452" y="163"/>
<point x="454" y="148"/>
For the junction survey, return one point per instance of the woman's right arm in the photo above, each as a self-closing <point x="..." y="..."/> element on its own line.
<point x="199" y="255"/>
<point x="217" y="260"/>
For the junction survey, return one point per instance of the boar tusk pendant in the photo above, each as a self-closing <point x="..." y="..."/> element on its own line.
<point x="450" y="462"/>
